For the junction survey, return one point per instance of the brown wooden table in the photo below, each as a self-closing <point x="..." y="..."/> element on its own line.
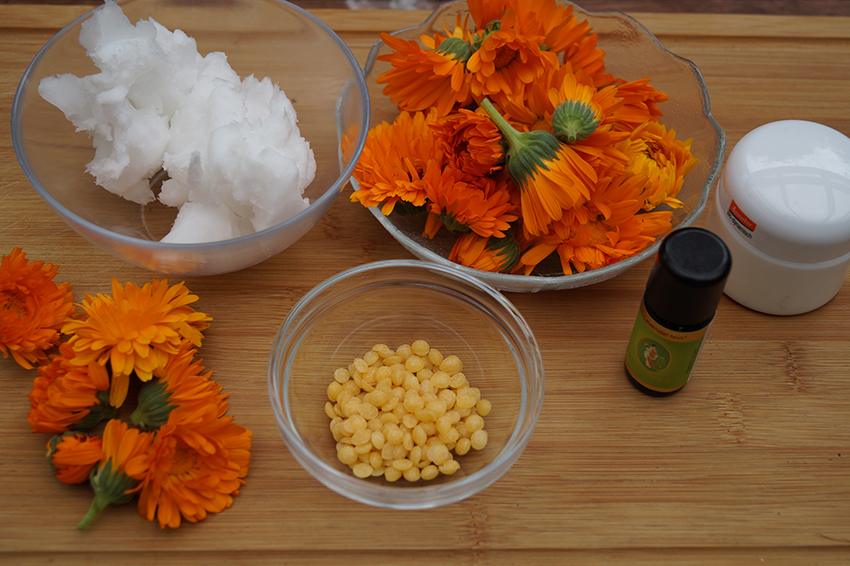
<point x="749" y="464"/>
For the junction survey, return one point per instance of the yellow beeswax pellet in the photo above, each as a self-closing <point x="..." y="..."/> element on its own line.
<point x="347" y="455"/>
<point x="375" y="460"/>
<point x="450" y="436"/>
<point x="483" y="407"/>
<point x="367" y="411"/>
<point x="438" y="454"/>
<point x="407" y="441"/>
<point x="420" y="347"/>
<point x="341" y="375"/>
<point x="474" y="423"/>
<point x="429" y="472"/>
<point x="414" y="364"/>
<point x="440" y="379"/>
<point x="329" y="410"/>
<point x="462" y="447"/>
<point x="361" y="436"/>
<point x="479" y="439"/>
<point x="371" y="357"/>
<point x="364" y="448"/>
<point x="424" y="374"/>
<point x="458" y="380"/>
<point x="362" y="470"/>
<point x="334" y="389"/>
<point x="411" y="474"/>
<point x="383" y="350"/>
<point x="451" y="364"/>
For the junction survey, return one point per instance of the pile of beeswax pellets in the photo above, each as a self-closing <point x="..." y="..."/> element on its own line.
<point x="405" y="413"/>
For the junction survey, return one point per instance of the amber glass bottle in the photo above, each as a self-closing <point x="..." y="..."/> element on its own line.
<point x="679" y="304"/>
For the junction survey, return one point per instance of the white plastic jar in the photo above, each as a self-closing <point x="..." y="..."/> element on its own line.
<point x="782" y="206"/>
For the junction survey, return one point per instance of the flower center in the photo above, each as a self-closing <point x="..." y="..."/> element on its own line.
<point x="653" y="148"/>
<point x="504" y="56"/>
<point x="185" y="458"/>
<point x="598" y="233"/>
<point x="15" y="303"/>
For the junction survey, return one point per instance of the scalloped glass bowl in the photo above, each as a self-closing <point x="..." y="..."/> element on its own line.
<point x="395" y="303"/>
<point x="312" y="65"/>
<point x="632" y="53"/>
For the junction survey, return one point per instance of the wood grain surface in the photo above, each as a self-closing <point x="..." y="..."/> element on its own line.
<point x="749" y="464"/>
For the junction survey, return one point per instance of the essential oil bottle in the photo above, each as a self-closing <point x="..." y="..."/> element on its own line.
<point x="681" y="298"/>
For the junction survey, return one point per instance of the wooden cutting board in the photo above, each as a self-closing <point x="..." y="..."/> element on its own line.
<point x="749" y="464"/>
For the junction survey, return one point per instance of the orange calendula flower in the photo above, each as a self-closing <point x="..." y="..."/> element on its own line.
<point x="584" y="55"/>
<point x="640" y="104"/>
<point x="533" y="111"/>
<point x="32" y="308"/>
<point x="393" y="160"/>
<point x="609" y="229"/>
<point x="551" y="176"/>
<point x="421" y="79"/>
<point x="182" y="387"/>
<point x="485" y="254"/>
<point x="66" y="395"/>
<point x="197" y="468"/>
<point x="471" y="142"/>
<point x="578" y="109"/>
<point x="485" y="11"/>
<point x="123" y="463"/>
<point x="506" y="61"/>
<point x="136" y="330"/>
<point x="552" y="26"/>
<point x="583" y="116"/>
<point x="466" y="203"/>
<point x="568" y="105"/>
<point x="664" y="160"/>
<point x="73" y="456"/>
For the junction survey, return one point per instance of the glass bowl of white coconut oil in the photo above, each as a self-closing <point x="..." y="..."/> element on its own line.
<point x="188" y="137"/>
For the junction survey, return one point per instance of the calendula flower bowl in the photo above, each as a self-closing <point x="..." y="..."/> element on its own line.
<point x="265" y="43"/>
<point x="631" y="54"/>
<point x="463" y="326"/>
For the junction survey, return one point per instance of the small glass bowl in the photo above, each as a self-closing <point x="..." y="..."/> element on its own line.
<point x="631" y="53"/>
<point x="395" y="303"/>
<point x="266" y="38"/>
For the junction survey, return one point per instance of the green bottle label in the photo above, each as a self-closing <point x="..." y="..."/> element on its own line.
<point x="659" y="358"/>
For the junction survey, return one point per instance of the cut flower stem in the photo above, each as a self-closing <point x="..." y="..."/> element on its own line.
<point x="101" y="502"/>
<point x="527" y="152"/>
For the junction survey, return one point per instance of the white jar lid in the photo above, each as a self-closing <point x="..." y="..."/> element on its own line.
<point x="786" y="188"/>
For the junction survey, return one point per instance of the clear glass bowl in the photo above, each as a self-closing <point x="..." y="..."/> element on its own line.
<point x="632" y="53"/>
<point x="395" y="303"/>
<point x="267" y="38"/>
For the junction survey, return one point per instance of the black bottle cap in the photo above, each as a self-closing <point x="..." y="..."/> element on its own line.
<point x="687" y="280"/>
